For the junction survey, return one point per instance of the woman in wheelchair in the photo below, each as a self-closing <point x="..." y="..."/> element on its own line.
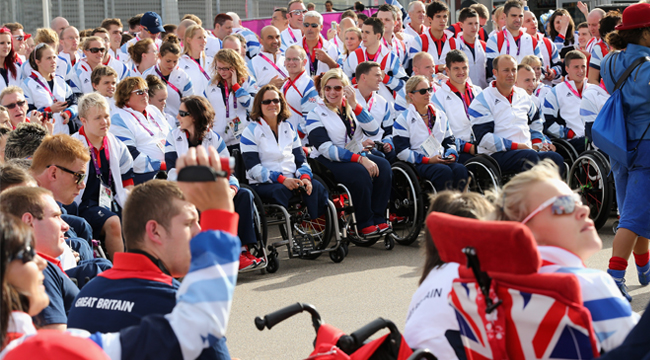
<point x="195" y="117"/>
<point x="566" y="238"/>
<point x="422" y="134"/>
<point x="276" y="166"/>
<point x="336" y="128"/>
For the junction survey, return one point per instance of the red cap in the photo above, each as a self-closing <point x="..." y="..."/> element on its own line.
<point x="27" y="36"/>
<point x="635" y="16"/>
<point x="54" y="344"/>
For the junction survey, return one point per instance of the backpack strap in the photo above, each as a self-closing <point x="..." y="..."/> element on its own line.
<point x="628" y="71"/>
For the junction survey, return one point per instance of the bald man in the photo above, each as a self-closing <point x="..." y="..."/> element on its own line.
<point x="268" y="65"/>
<point x="253" y="46"/>
<point x="58" y="24"/>
<point x="339" y="40"/>
<point x="180" y="30"/>
<point x="593" y="22"/>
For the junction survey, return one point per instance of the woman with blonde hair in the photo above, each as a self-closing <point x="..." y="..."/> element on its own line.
<point x="337" y="127"/>
<point x="194" y="60"/>
<point x="352" y="41"/>
<point x="230" y="92"/>
<point x="143" y="57"/>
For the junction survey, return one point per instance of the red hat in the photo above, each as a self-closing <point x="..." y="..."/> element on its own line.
<point x="635" y="16"/>
<point x="54" y="344"/>
<point x="27" y="36"/>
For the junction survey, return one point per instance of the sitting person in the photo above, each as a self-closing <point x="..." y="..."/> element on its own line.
<point x="336" y="128"/>
<point x="566" y="237"/>
<point x="104" y="81"/>
<point x="431" y="322"/>
<point x="277" y="168"/>
<point x="423" y="137"/>
<point x="506" y="122"/>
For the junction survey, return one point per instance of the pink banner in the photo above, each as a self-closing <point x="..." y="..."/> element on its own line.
<point x="256" y="25"/>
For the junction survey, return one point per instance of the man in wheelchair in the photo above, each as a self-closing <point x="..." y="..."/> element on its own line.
<point x="506" y="123"/>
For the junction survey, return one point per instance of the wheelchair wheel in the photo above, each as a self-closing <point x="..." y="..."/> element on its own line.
<point x="406" y="207"/>
<point x="568" y="152"/>
<point x="320" y="230"/>
<point x="485" y="172"/>
<point x="589" y="176"/>
<point x="261" y="226"/>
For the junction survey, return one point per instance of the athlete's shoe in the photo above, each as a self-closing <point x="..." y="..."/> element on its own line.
<point x="245" y="263"/>
<point x="370" y="230"/>
<point x="644" y="274"/>
<point x="619" y="279"/>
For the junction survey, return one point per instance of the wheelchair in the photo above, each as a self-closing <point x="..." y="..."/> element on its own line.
<point x="303" y="237"/>
<point x="346" y="226"/>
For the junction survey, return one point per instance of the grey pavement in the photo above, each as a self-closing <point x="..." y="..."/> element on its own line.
<point x="369" y="283"/>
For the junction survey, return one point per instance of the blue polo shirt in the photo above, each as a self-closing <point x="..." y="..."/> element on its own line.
<point x="61" y="291"/>
<point x="120" y="297"/>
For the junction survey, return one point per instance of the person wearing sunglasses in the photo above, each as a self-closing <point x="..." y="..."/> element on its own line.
<point x="109" y="60"/>
<point x="9" y="67"/>
<point x="49" y="93"/>
<point x="13" y="99"/>
<point x="94" y="49"/>
<point x="293" y="33"/>
<point x="141" y="127"/>
<point x="322" y="55"/>
<point x="337" y="127"/>
<point x="423" y="137"/>
<point x="109" y="174"/>
<point x="566" y="238"/>
<point x="230" y="92"/>
<point x="18" y="43"/>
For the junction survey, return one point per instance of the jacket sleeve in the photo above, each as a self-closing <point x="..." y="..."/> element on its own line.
<point x="480" y="116"/>
<point x="302" y="167"/>
<point x="126" y="164"/>
<point x="253" y="46"/>
<point x="402" y="140"/>
<point x="491" y="51"/>
<point x="141" y="162"/>
<point x="244" y="98"/>
<point x="387" y="124"/>
<point x="71" y="99"/>
<point x="449" y="142"/>
<point x="395" y="74"/>
<point x="536" y="124"/>
<point x="320" y="139"/>
<point x="554" y="124"/>
<point x="170" y="152"/>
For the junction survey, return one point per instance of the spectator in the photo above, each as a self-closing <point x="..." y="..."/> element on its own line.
<point x="13" y="175"/>
<point x="9" y="67"/>
<point x="24" y="140"/>
<point x="12" y="98"/>
<point x="280" y="19"/>
<point x="150" y="28"/>
<point x="329" y="7"/>
<point x="194" y="61"/>
<point x="293" y="33"/>
<point x="143" y="55"/>
<point x="58" y="24"/>
<point x="114" y="27"/>
<point x="70" y="45"/>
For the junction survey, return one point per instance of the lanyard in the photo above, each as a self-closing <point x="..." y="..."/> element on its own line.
<point x="290" y="83"/>
<point x="432" y="118"/>
<point x="374" y="57"/>
<point x="180" y="95"/>
<point x="313" y="63"/>
<point x="539" y="89"/>
<point x="33" y="76"/>
<point x="98" y="171"/>
<point x="291" y="33"/>
<point x="505" y="35"/>
<point x="227" y="99"/>
<point x="371" y="102"/>
<point x="350" y="124"/>
<point x="574" y="91"/>
<point x="200" y="68"/>
<point x="141" y="124"/>
<point x="273" y="64"/>
<point x="602" y="85"/>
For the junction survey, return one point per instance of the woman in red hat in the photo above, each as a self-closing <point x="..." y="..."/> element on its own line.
<point x="633" y="35"/>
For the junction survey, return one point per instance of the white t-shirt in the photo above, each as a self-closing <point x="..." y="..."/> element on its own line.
<point x="430" y="315"/>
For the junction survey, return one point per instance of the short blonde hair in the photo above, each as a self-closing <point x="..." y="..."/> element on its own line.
<point x="46" y="35"/>
<point x="90" y="101"/>
<point x="412" y="83"/>
<point x="89" y="39"/>
<point x="511" y="204"/>
<point x="531" y="60"/>
<point x="299" y="49"/>
<point x="354" y="30"/>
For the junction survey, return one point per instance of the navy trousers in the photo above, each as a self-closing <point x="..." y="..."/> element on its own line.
<point x="274" y="193"/>
<point x="521" y="160"/>
<point x="444" y="176"/>
<point x="243" y="201"/>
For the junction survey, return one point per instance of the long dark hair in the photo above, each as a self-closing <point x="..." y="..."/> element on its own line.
<point x="569" y="37"/>
<point x="10" y="60"/>
<point x="14" y="237"/>
<point x="202" y="113"/>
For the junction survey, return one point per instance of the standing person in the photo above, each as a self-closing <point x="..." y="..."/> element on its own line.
<point x="195" y="128"/>
<point x="230" y="91"/>
<point x="194" y="60"/>
<point x="51" y="38"/>
<point x="593" y="21"/>
<point x="469" y="43"/>
<point x="58" y="24"/>
<point x="142" y="128"/>
<point x="268" y="65"/>
<point x="18" y="43"/>
<point x="417" y="14"/>
<point x="510" y="40"/>
<point x="388" y="15"/>
<point x="584" y="37"/>
<point x="299" y="90"/>
<point x="109" y="174"/>
<point x="143" y="56"/>
<point x="280" y="19"/>
<point x="550" y="56"/>
<point x="322" y="55"/>
<point x="94" y="49"/>
<point x="49" y="93"/>
<point x="561" y="30"/>
<point x="178" y="82"/>
<point x="109" y="60"/>
<point x="435" y="39"/>
<point x="150" y="28"/>
<point x="600" y="47"/>
<point x="632" y="182"/>
<point x="9" y="67"/>
<point x="293" y="33"/>
<point x="222" y="26"/>
<point x="252" y="42"/>
<point x="70" y="46"/>
<point x="483" y="16"/>
<point x="114" y="28"/>
<point x="455" y="94"/>
<point x="336" y="128"/>
<point x="339" y="38"/>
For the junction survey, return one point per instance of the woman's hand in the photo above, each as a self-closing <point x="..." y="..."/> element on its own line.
<point x="350" y="96"/>
<point x="440" y="160"/>
<point x="564" y="24"/>
<point x="292" y="184"/>
<point x="58" y="106"/>
<point x="308" y="186"/>
<point x="233" y="77"/>
<point x="372" y="168"/>
<point x="66" y="117"/>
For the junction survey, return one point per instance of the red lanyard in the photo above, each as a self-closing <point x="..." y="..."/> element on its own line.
<point x="313" y="67"/>
<point x="290" y="83"/>
<point x="574" y="91"/>
<point x="200" y="68"/>
<point x="227" y="99"/>
<point x="375" y="56"/>
<point x="273" y="64"/>
<point x="35" y="77"/>
<point x="539" y="89"/>
<point x="98" y="171"/>
<point x="141" y="124"/>
<point x="180" y="95"/>
<point x="505" y="35"/>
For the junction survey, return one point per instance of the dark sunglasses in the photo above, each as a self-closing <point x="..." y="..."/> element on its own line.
<point x="19" y="37"/>
<point x="13" y="105"/>
<point x="78" y="176"/>
<point x="141" y="92"/>
<point x="96" y="50"/>
<point x="422" y="91"/>
<point x="269" y="101"/>
<point x="335" y="88"/>
<point x="314" y="25"/>
<point x="26" y="255"/>
<point x="182" y="113"/>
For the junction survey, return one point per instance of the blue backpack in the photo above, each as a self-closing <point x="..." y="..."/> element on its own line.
<point x="609" y="129"/>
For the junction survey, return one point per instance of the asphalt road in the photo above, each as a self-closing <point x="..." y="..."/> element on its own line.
<point x="369" y="283"/>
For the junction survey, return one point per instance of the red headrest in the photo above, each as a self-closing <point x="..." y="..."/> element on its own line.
<point x="501" y="246"/>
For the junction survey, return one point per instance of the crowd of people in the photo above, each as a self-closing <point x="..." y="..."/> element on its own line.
<point x="97" y="124"/>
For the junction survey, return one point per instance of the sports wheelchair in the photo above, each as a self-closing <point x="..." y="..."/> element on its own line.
<point x="303" y="237"/>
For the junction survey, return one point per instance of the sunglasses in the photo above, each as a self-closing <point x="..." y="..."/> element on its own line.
<point x="78" y="176"/>
<point x="314" y="25"/>
<point x="335" y="88"/>
<point x="182" y="113"/>
<point x="269" y="101"/>
<point x="141" y="92"/>
<point x="26" y="255"/>
<point x="13" y="105"/>
<point x="96" y="50"/>
<point x="560" y="205"/>
<point x="19" y="37"/>
<point x="423" y="91"/>
<point x="298" y="12"/>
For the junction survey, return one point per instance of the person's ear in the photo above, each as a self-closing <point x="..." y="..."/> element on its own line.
<point x="494" y="72"/>
<point x="153" y="232"/>
<point x="51" y="173"/>
<point x="27" y="218"/>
